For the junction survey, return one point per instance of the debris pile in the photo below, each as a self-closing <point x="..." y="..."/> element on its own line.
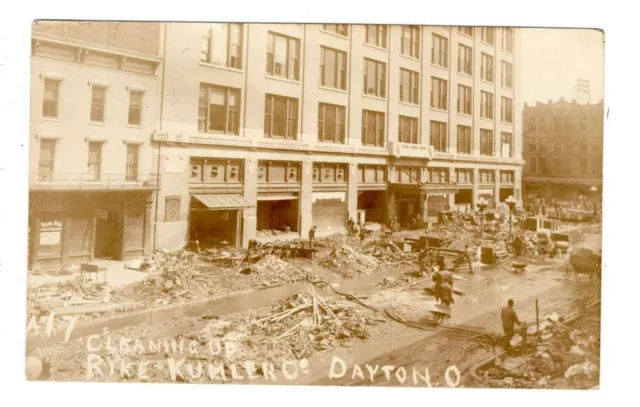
<point x="388" y="252"/>
<point x="272" y="270"/>
<point x="345" y="260"/>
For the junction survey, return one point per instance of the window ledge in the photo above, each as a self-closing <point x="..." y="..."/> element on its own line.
<point x="225" y="68"/>
<point x="331" y="143"/>
<point x="52" y="75"/>
<point x="488" y="44"/>
<point x="416" y="105"/>
<point x="333" y="89"/>
<point x="133" y="141"/>
<point x="506" y="123"/>
<point x="48" y="136"/>
<point x="134" y="126"/>
<point x="446" y="68"/>
<point x="279" y="78"/>
<point x="409" y="57"/>
<point x="50" y="119"/>
<point x="136" y="88"/>
<point x="468" y="75"/>
<point x="95" y="139"/>
<point x="365" y="95"/>
<point x="216" y="133"/>
<point x="102" y="124"/>
<point x="99" y="83"/>
<point x="486" y="119"/>
<point x="437" y="109"/>
<point x="488" y="82"/>
<point x="334" y="34"/>
<point x="464" y="115"/>
<point x="375" y="47"/>
<point x="506" y="88"/>
<point x="465" y="35"/>
<point x="506" y="52"/>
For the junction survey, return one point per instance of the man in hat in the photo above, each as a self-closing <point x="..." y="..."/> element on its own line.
<point x="312" y="236"/>
<point x="509" y="320"/>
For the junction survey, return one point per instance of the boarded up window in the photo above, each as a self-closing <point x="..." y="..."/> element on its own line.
<point x="172" y="209"/>
<point x="80" y="241"/>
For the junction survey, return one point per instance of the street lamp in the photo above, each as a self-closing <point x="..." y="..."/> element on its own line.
<point x="512" y="207"/>
<point x="482" y="205"/>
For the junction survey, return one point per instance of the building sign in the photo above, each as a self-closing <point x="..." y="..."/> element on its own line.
<point x="172" y="209"/>
<point x="50" y="233"/>
<point x="328" y="195"/>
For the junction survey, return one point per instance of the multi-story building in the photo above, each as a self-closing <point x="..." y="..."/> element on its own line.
<point x="563" y="149"/>
<point x="93" y="109"/>
<point x="280" y="127"/>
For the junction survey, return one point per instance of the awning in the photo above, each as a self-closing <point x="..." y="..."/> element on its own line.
<point x="277" y="197"/>
<point x="223" y="201"/>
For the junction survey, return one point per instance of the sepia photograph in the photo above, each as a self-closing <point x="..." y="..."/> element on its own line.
<point x="315" y="204"/>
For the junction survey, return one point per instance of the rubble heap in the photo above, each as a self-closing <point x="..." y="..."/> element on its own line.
<point x="272" y="270"/>
<point x="345" y="260"/>
<point x="386" y="251"/>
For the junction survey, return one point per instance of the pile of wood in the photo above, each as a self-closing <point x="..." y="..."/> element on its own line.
<point x="347" y="261"/>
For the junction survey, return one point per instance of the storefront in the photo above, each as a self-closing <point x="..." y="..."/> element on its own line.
<point x="278" y="200"/>
<point x="372" y="192"/>
<point x="329" y="198"/>
<point x="215" y="219"/>
<point x="488" y="196"/>
<point x="74" y="227"/>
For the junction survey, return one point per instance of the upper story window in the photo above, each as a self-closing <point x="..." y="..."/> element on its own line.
<point x="465" y="60"/>
<point x="486" y="142"/>
<point x="331" y="120"/>
<point x="133" y="153"/>
<point x="373" y="128"/>
<point x="94" y="163"/>
<point x="466" y="31"/>
<point x="486" y="105"/>
<point x="408" y="130"/>
<point x="507" y="40"/>
<point x="438" y="175"/>
<point x="375" y="78"/>
<point x="411" y="41"/>
<point x="507" y="74"/>
<point x="46" y="162"/>
<point x="333" y="68"/>
<point x="486" y="67"/>
<point x="464" y="99"/>
<point x="135" y="108"/>
<point x="506" y="146"/>
<point x="340" y="29"/>
<point x="218" y="109"/>
<point x="439" y="93"/>
<point x="98" y="103"/>
<point x="464" y="140"/>
<point x="506" y="113"/>
<point x="222" y="45"/>
<point x="439" y="136"/>
<point x="281" y="117"/>
<point x="488" y="35"/>
<point x="51" y="97"/>
<point x="440" y="50"/>
<point x="377" y="35"/>
<point x="409" y="85"/>
<point x="283" y="56"/>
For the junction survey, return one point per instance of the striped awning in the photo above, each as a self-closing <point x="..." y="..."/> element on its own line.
<point x="223" y="201"/>
<point x="277" y="197"/>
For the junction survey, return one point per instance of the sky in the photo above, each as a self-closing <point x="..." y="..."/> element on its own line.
<point x="553" y="60"/>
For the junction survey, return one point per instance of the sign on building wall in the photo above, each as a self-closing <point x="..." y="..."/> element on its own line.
<point x="50" y="233"/>
<point x="172" y="209"/>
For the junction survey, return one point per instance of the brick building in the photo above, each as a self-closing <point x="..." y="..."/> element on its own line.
<point x="563" y="149"/>
<point x="283" y="126"/>
<point x="93" y="108"/>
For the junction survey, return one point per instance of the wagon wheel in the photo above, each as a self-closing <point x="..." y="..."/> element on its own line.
<point x="567" y="271"/>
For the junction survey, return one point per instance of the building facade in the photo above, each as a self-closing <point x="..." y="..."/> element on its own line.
<point x="94" y="99"/>
<point x="279" y="127"/>
<point x="563" y="148"/>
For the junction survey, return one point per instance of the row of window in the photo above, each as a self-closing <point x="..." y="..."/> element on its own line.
<point x="565" y="166"/>
<point x="223" y="46"/>
<point x="51" y="103"/>
<point x="558" y="125"/>
<point x="46" y="163"/>
<point x="218" y="109"/>
<point x="564" y="146"/>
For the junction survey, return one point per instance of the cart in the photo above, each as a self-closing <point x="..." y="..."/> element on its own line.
<point x="519" y="268"/>
<point x="583" y="261"/>
<point x="440" y="313"/>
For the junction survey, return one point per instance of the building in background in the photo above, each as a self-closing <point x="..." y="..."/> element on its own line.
<point x="563" y="149"/>
<point x="268" y="129"/>
<point x="93" y="108"/>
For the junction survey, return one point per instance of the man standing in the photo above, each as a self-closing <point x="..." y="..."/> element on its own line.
<point x="312" y="237"/>
<point x="363" y="233"/>
<point x="509" y="319"/>
<point x="446" y="293"/>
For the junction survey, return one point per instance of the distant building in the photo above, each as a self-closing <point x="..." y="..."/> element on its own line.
<point x="93" y="108"/>
<point x="563" y="149"/>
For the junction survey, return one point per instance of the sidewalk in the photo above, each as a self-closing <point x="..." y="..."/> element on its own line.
<point x="117" y="275"/>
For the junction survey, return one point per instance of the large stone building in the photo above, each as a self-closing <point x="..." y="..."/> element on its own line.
<point x="563" y="149"/>
<point x="93" y="109"/>
<point x="281" y="127"/>
<point x="260" y="127"/>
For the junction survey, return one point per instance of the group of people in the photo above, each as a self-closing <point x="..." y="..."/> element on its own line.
<point x="356" y="229"/>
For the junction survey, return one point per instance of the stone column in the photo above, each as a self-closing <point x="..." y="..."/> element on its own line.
<point x="475" y="190"/>
<point x="306" y="198"/>
<point x="249" y="215"/>
<point x="496" y="190"/>
<point x="352" y="192"/>
<point x="148" y="223"/>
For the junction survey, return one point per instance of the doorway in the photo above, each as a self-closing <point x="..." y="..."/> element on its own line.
<point x="108" y="236"/>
